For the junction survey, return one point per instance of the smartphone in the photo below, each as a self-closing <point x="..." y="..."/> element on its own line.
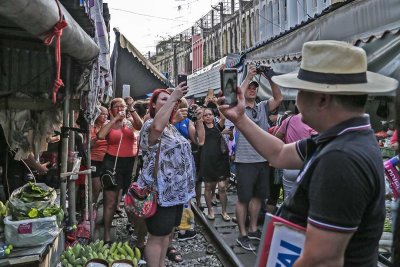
<point x="210" y="93"/>
<point x="182" y="78"/>
<point x="229" y="86"/>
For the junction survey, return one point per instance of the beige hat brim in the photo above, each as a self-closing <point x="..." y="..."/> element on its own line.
<point x="377" y="83"/>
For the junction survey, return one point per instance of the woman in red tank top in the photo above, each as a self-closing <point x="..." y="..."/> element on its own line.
<point x="97" y="151"/>
<point x="119" y="132"/>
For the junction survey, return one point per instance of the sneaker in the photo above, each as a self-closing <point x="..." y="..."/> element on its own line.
<point x="254" y="235"/>
<point x="189" y="234"/>
<point x="245" y="242"/>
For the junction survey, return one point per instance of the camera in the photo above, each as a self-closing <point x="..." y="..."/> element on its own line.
<point x="191" y="115"/>
<point x="261" y="69"/>
<point x="268" y="71"/>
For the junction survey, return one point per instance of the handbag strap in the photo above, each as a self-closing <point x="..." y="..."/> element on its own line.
<point x="287" y="126"/>
<point x="136" y="162"/>
<point x="116" y="158"/>
<point x="155" y="171"/>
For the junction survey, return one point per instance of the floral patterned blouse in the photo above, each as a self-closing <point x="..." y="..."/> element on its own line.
<point x="175" y="179"/>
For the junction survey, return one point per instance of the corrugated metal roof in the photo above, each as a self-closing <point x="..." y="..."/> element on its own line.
<point x="371" y="24"/>
<point x="26" y="71"/>
<point x="77" y="11"/>
<point x="329" y="9"/>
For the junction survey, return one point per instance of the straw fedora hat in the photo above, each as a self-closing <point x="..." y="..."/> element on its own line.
<point x="335" y="67"/>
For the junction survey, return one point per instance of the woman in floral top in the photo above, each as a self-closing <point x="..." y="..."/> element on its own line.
<point x="175" y="175"/>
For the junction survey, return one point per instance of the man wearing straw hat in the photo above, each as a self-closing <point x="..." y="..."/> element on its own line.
<point x="340" y="190"/>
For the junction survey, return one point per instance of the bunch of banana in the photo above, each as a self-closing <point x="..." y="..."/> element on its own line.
<point x="78" y="255"/>
<point x="3" y="210"/>
<point x="387" y="227"/>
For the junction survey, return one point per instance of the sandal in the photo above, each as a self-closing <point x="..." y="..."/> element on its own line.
<point x="119" y="213"/>
<point x="226" y="217"/>
<point x="174" y="255"/>
<point x="210" y="217"/>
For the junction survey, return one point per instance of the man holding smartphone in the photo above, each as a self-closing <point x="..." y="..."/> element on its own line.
<point x="252" y="169"/>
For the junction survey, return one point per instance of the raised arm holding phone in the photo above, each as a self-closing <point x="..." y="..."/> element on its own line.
<point x="175" y="171"/>
<point x="253" y="172"/>
<point x="340" y="191"/>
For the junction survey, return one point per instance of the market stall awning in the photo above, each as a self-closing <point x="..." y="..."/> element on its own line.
<point x="371" y="24"/>
<point x="132" y="72"/>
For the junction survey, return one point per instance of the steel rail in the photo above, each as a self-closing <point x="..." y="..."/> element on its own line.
<point x="231" y="256"/>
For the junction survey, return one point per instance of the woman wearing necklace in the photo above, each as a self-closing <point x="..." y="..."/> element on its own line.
<point x="214" y="163"/>
<point x="121" y="143"/>
<point x="175" y="171"/>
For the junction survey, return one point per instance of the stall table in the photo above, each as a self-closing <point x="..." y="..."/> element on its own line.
<point x="39" y="256"/>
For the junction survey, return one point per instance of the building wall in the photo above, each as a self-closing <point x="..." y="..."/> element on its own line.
<point x="197" y="53"/>
<point x="259" y="21"/>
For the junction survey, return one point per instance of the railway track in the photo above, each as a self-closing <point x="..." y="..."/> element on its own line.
<point x="222" y="235"/>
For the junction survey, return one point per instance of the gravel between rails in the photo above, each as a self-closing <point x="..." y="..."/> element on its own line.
<point x="193" y="251"/>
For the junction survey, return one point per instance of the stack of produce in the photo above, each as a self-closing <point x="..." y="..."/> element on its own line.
<point x="34" y="201"/>
<point x="78" y="255"/>
<point x="387" y="227"/>
<point x="3" y="214"/>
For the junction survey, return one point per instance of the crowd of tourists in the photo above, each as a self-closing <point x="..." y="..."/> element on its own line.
<point x="322" y="154"/>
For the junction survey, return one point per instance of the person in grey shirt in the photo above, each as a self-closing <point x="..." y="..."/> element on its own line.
<point x="252" y="169"/>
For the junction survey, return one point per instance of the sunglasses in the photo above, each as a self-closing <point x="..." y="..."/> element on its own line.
<point x="253" y="112"/>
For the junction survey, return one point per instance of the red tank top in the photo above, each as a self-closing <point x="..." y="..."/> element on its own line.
<point x="128" y="144"/>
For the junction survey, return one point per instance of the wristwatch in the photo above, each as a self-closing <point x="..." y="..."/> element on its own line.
<point x="132" y="110"/>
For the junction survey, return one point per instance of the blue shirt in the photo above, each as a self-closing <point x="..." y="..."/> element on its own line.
<point x="183" y="127"/>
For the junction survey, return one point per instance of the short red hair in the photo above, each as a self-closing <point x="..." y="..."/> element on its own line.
<point x="153" y="100"/>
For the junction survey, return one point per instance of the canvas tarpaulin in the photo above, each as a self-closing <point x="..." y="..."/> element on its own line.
<point x="39" y="16"/>
<point x="133" y="71"/>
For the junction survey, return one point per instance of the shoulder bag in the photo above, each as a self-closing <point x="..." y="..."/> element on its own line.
<point x="142" y="201"/>
<point x="108" y="177"/>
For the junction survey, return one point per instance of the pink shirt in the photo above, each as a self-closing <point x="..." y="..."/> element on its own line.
<point x="296" y="130"/>
<point x="128" y="144"/>
<point x="99" y="148"/>
<point x="394" y="138"/>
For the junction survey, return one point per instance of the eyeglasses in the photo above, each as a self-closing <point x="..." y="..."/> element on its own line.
<point x="119" y="107"/>
<point x="253" y="112"/>
<point x="207" y="114"/>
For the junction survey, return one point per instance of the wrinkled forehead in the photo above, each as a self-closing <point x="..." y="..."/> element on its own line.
<point x="118" y="102"/>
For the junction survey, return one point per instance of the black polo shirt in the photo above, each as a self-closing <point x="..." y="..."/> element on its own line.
<point x="341" y="188"/>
